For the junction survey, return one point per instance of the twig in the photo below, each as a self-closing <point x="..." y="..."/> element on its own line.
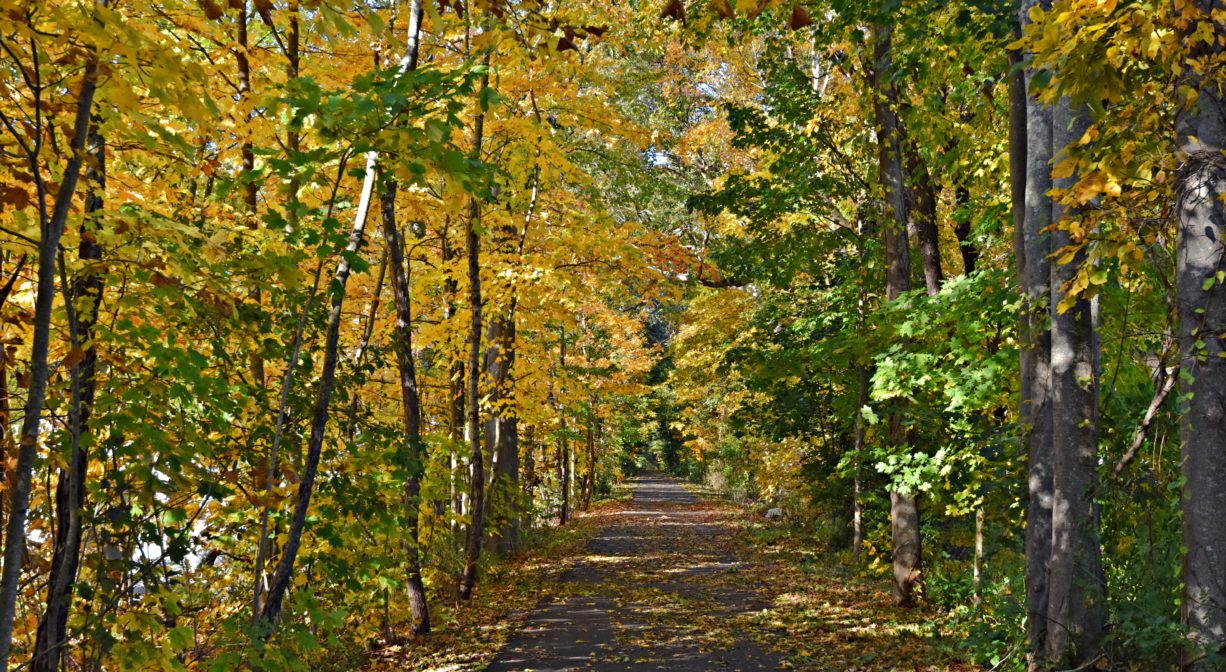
<point x="1139" y="438"/>
<point x="1002" y="660"/>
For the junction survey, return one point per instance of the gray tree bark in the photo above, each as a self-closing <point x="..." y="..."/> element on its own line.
<point x="1201" y="297"/>
<point x="86" y="295"/>
<point x="51" y="229"/>
<point x="455" y="389"/>
<point x="502" y="430"/>
<point x="1034" y="416"/>
<point x="1076" y="606"/>
<point x="563" y="443"/>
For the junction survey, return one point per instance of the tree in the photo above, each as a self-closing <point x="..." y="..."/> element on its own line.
<point x="1076" y="600"/>
<point x="1035" y="413"/>
<point x="51" y="222"/>
<point x="403" y="345"/>
<point x="904" y="509"/>
<point x="85" y="300"/>
<point x="476" y="486"/>
<point x="271" y="609"/>
<point x="1200" y="273"/>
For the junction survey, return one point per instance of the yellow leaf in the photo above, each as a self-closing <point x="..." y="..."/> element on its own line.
<point x="1064" y="169"/>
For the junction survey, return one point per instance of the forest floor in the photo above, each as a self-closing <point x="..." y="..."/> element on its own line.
<point x="670" y="581"/>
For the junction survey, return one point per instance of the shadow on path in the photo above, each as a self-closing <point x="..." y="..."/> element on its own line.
<point x="658" y="590"/>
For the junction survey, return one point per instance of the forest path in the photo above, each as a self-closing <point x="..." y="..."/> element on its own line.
<point x="659" y="589"/>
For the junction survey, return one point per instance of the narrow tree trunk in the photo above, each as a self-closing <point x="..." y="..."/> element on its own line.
<point x="1201" y="219"/>
<point x="1031" y="155"/>
<point x="359" y="354"/>
<point x="6" y="440"/>
<point x="1076" y="608"/>
<point x="319" y="417"/>
<point x="51" y="229"/>
<point x="904" y="509"/>
<point x="293" y="137"/>
<point x="86" y="296"/>
<point x="977" y="579"/>
<point x="572" y="467"/>
<point x="242" y="56"/>
<point x="857" y="506"/>
<point x="589" y="478"/>
<point x="409" y="395"/>
<point x="455" y="390"/>
<point x="962" y="197"/>
<point x="476" y="486"/>
<point x="563" y="489"/>
<point x="563" y="444"/>
<point x="410" y="404"/>
<point x="922" y="218"/>
<point x="502" y="431"/>
<point x="529" y="475"/>
<point x="864" y="233"/>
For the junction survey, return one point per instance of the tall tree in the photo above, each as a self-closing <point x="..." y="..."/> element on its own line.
<point x="1034" y="274"/>
<point x="51" y="222"/>
<point x="83" y="300"/>
<point x="922" y="214"/>
<point x="284" y="573"/>
<point x="251" y="189"/>
<point x="502" y="427"/>
<point x="410" y="397"/>
<point x="1201" y="289"/>
<point x="476" y="486"/>
<point x="904" y="508"/>
<point x="1076" y="600"/>
<point x="563" y="456"/>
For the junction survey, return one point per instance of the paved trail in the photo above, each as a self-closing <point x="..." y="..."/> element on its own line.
<point x="658" y="590"/>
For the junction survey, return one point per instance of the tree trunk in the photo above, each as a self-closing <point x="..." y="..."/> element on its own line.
<point x="293" y="137"/>
<point x="904" y="509"/>
<point x="977" y="578"/>
<point x="962" y="196"/>
<point x="1076" y="607"/>
<point x="242" y="57"/>
<point x="319" y="417"/>
<point x="1201" y="218"/>
<point x="589" y="478"/>
<point x="409" y="397"/>
<point x="455" y="390"/>
<point x="51" y="228"/>
<point x="86" y="297"/>
<point x="857" y="506"/>
<point x="476" y="486"/>
<point x="863" y="377"/>
<point x="1031" y="155"/>
<point x="502" y="430"/>
<point x="563" y="444"/>
<point x="529" y="475"/>
<point x="359" y="355"/>
<point x="922" y="219"/>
